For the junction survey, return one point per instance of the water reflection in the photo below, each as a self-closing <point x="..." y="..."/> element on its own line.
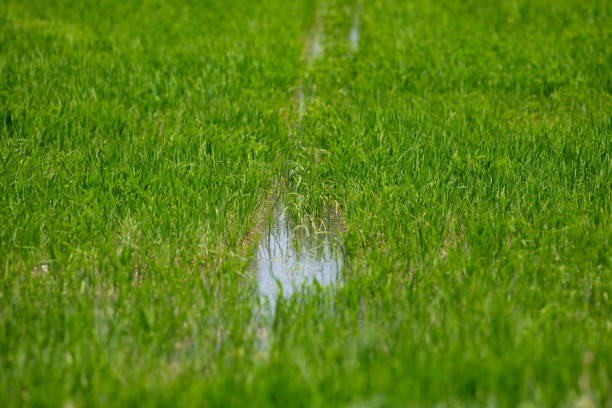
<point x="291" y="258"/>
<point x="354" y="33"/>
<point x="354" y="37"/>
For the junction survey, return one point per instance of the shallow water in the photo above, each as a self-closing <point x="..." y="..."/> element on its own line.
<point x="354" y="37"/>
<point x="316" y="49"/>
<point x="291" y="258"/>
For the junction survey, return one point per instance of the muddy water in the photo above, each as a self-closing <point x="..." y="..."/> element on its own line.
<point x="290" y="258"/>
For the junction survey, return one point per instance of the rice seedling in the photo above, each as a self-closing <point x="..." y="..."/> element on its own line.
<point x="465" y="147"/>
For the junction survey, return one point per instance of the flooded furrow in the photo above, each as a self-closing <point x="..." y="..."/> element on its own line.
<point x="354" y="34"/>
<point x="313" y="50"/>
<point x="290" y="258"/>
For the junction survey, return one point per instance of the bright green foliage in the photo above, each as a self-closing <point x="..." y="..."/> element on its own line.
<point x="467" y="145"/>
<point x="137" y="140"/>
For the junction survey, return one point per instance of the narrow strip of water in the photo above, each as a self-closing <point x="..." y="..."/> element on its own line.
<point x="290" y="258"/>
<point x="354" y="35"/>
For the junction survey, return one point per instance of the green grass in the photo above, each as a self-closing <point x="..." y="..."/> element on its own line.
<point x="467" y="145"/>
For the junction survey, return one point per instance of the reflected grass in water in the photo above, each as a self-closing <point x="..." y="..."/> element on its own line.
<point x="291" y="258"/>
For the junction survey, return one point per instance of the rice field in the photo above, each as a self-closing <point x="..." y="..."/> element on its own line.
<point x="309" y="203"/>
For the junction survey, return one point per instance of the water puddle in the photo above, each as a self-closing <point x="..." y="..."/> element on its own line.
<point x="354" y="36"/>
<point x="291" y="258"/>
<point x="354" y="33"/>
<point x="317" y="47"/>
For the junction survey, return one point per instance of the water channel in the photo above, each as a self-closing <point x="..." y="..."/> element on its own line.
<point x="290" y="258"/>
